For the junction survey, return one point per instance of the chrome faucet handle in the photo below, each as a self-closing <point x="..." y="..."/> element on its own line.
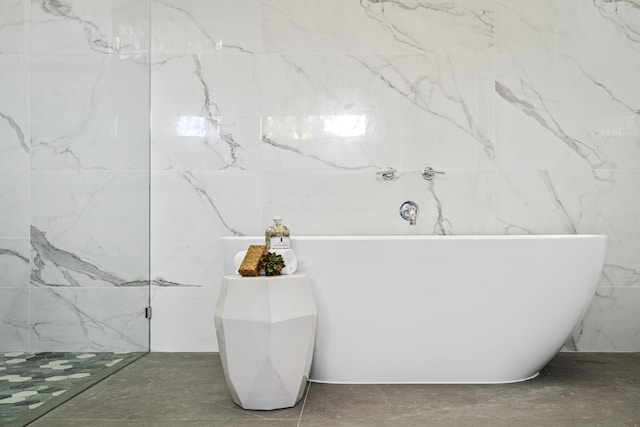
<point x="409" y="211"/>
<point x="428" y="173"/>
<point x="387" y="173"/>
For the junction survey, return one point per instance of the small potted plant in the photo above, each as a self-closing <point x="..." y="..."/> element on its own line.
<point x="272" y="264"/>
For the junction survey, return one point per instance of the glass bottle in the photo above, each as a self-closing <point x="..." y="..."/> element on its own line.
<point x="277" y="235"/>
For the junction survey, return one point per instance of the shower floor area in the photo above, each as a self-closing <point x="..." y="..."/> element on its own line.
<point x="31" y="384"/>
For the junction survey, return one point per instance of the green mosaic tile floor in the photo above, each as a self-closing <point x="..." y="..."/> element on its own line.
<point x="32" y="384"/>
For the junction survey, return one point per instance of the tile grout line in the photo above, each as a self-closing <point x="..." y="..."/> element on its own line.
<point x="304" y="402"/>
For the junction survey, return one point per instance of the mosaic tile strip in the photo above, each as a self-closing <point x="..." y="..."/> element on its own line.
<point x="31" y="382"/>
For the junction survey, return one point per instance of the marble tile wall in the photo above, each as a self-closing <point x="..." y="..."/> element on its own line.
<point x="14" y="177"/>
<point x="287" y="107"/>
<point x="74" y="175"/>
<point x="264" y="107"/>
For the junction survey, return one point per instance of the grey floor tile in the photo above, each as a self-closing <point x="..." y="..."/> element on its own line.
<point x="163" y="423"/>
<point x="165" y="386"/>
<point x="161" y="389"/>
<point x="574" y="389"/>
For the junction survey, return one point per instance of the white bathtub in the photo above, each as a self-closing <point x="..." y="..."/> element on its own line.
<point x="442" y="309"/>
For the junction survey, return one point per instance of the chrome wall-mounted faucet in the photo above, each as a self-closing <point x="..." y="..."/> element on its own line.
<point x="409" y="211"/>
<point x="387" y="173"/>
<point x="428" y="173"/>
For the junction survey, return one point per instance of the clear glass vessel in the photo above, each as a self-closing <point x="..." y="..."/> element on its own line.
<point x="277" y="235"/>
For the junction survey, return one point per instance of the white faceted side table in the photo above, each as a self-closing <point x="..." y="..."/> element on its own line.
<point x="266" y="331"/>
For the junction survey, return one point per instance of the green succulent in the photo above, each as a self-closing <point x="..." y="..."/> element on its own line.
<point x="272" y="264"/>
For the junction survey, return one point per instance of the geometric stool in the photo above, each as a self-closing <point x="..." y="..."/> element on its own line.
<point x="266" y="331"/>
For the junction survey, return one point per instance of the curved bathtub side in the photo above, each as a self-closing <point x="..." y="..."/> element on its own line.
<point x="445" y="310"/>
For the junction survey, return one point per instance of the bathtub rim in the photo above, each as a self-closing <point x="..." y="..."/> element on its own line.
<point x="433" y="237"/>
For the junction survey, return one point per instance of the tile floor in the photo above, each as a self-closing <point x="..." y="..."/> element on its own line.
<point x="188" y="389"/>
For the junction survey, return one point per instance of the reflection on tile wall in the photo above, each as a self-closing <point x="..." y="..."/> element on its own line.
<point x="287" y="107"/>
<point x="74" y="180"/>
<point x="266" y="107"/>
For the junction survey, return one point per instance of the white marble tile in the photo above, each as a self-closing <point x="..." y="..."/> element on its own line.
<point x="81" y="320"/>
<point x="206" y="112"/>
<point x="616" y="215"/>
<point x="206" y="27"/>
<point x="403" y="111"/>
<point x="98" y="26"/>
<point x="14" y="26"/>
<point x="524" y="26"/>
<point x="14" y="262"/>
<point x="544" y="202"/>
<point x="355" y="202"/>
<point x="14" y="319"/>
<point x="90" y="228"/>
<point x="567" y="112"/>
<point x="599" y="26"/>
<point x="14" y="112"/>
<point x="14" y="204"/>
<point x="567" y="26"/>
<point x="360" y="86"/>
<point x="567" y="202"/>
<point x="183" y="318"/>
<point x="190" y="211"/>
<point x="611" y="323"/>
<point x="338" y="26"/>
<point x="104" y="120"/>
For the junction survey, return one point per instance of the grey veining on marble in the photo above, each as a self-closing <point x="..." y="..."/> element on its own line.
<point x="14" y="294"/>
<point x="212" y="28"/>
<point x="619" y="14"/>
<point x="211" y="37"/>
<point x="442" y="225"/>
<point x="529" y="101"/>
<point x="447" y="100"/>
<point x="99" y="27"/>
<point x="424" y="90"/>
<point x="482" y="18"/>
<point x="13" y="254"/>
<point x="610" y="321"/>
<point x="379" y="26"/>
<point x="603" y="86"/>
<point x="14" y="262"/>
<point x="570" y="227"/>
<point x="211" y="113"/>
<point x="46" y="256"/>
<point x="160" y="282"/>
<point x="299" y="152"/>
<point x="209" y="121"/>
<point x="102" y="125"/>
<point x="95" y="39"/>
<point x="62" y="145"/>
<point x="14" y="111"/>
<point x="613" y="273"/>
<point x="90" y="228"/>
<point x="17" y="130"/>
<point x="600" y="26"/>
<point x="80" y="319"/>
<point x="206" y="198"/>
<point x="14" y="319"/>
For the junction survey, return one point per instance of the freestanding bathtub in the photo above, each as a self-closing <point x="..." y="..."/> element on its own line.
<point x="442" y="309"/>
